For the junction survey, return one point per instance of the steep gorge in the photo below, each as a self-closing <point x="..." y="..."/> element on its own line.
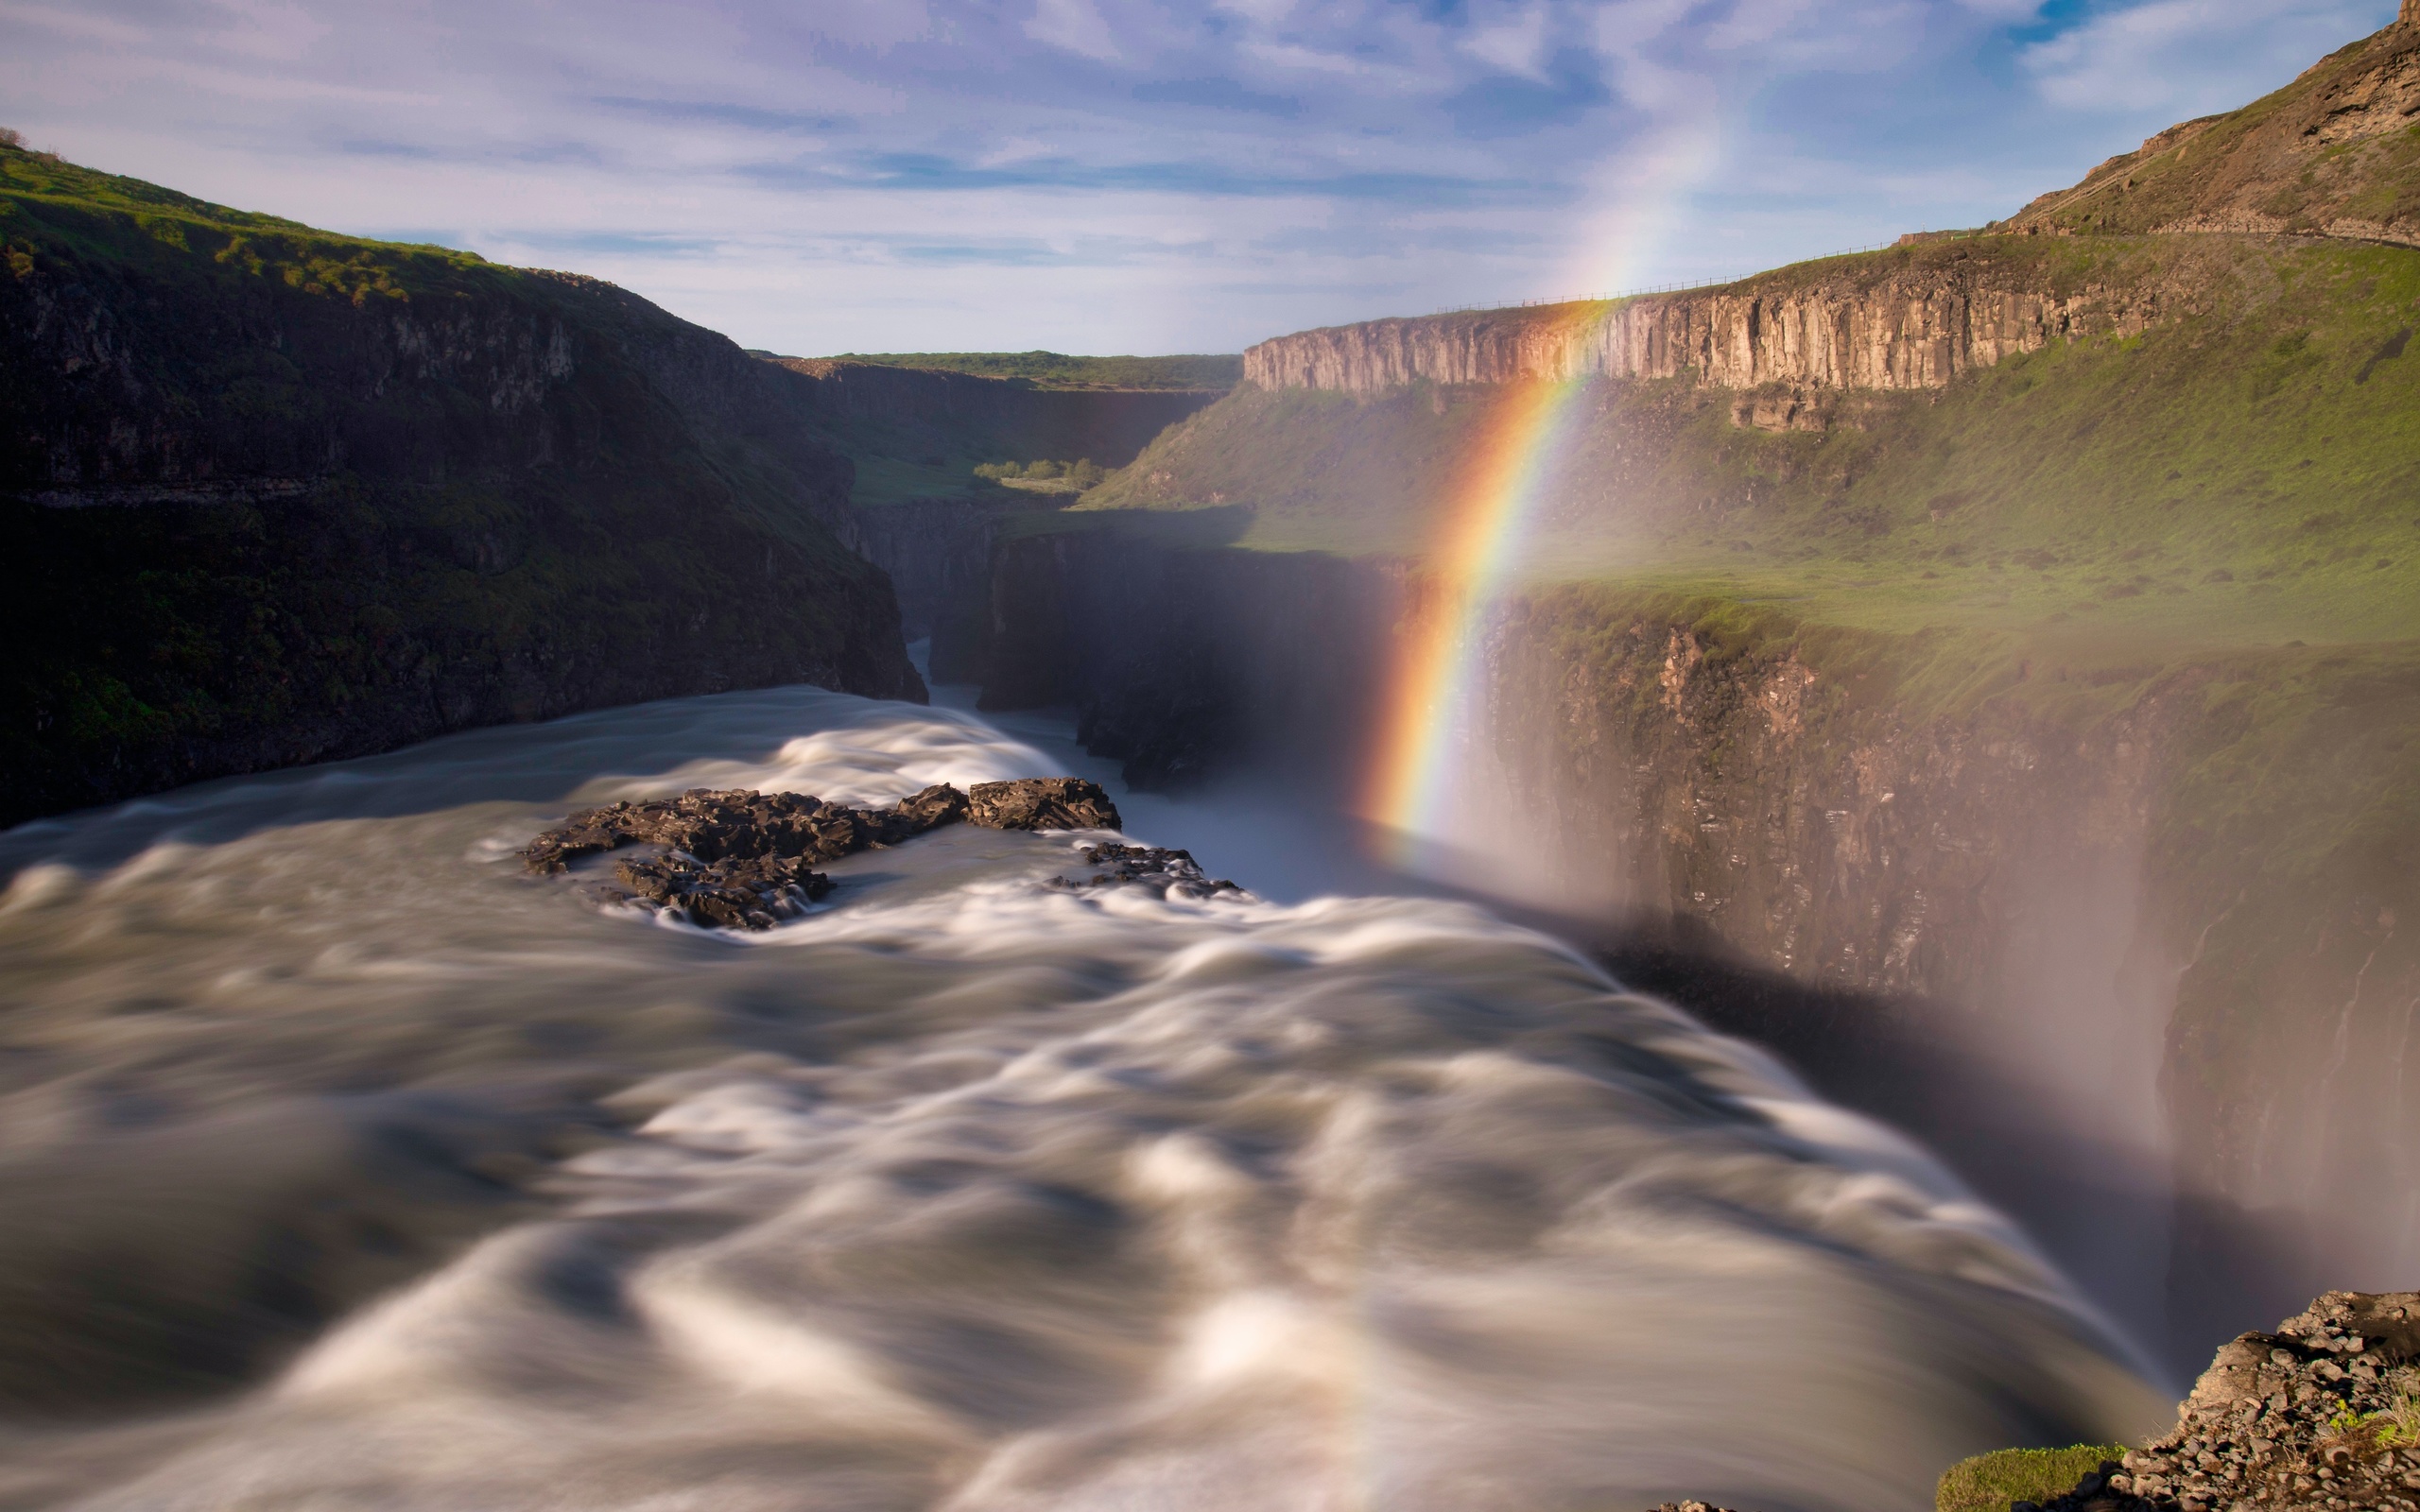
<point x="273" y="496"/>
<point x="1984" y="669"/>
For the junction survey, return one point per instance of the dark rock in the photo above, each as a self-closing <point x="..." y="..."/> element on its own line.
<point x="2324" y="1413"/>
<point x="1165" y="872"/>
<point x="744" y="894"/>
<point x="740" y="859"/>
<point x="1042" y="803"/>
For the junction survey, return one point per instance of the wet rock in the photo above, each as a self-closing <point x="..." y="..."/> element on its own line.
<point x="1168" y="874"/>
<point x="740" y="859"/>
<point x="1040" y="803"/>
<point x="742" y="894"/>
<point x="2324" y="1413"/>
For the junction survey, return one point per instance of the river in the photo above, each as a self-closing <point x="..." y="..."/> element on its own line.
<point x="345" y="1164"/>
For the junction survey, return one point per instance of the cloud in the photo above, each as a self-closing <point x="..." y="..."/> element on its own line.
<point x="1104" y="174"/>
<point x="1214" y="93"/>
<point x="1074" y="25"/>
<point x="2190" y="58"/>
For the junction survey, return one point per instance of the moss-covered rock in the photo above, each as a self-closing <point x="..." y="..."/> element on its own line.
<point x="1990" y="1483"/>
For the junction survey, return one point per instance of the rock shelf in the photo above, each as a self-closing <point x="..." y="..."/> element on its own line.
<point x="2322" y="1415"/>
<point x="740" y="859"/>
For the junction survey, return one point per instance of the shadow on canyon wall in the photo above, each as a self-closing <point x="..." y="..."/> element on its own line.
<point x="1961" y="925"/>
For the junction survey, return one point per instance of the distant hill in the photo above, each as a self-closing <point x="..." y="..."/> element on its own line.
<point x="2336" y="153"/>
<point x="1054" y="370"/>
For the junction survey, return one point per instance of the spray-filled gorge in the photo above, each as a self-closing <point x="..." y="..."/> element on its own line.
<point x="1822" y="878"/>
<point x="961" y="1190"/>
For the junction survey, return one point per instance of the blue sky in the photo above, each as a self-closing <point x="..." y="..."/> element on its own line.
<point x="1106" y="176"/>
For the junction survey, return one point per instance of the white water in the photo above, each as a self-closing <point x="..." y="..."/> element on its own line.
<point x="961" y="1192"/>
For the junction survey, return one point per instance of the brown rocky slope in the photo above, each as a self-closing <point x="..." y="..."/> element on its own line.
<point x="2335" y="154"/>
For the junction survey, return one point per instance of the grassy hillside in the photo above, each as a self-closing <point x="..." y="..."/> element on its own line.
<point x="1055" y="370"/>
<point x="2335" y="152"/>
<point x="272" y="494"/>
<point x="2244" y="475"/>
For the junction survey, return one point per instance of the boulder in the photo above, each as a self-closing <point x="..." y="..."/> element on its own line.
<point x="740" y="859"/>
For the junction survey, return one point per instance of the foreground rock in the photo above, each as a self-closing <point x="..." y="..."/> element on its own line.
<point x="2324" y="1413"/>
<point x="740" y="859"/>
<point x="1168" y="873"/>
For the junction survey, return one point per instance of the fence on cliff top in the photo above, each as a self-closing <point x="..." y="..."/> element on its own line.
<point x="1701" y="284"/>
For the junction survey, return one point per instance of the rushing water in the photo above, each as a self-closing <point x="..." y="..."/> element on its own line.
<point x="960" y="1193"/>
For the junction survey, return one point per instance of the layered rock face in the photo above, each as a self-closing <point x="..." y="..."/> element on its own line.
<point x="938" y="553"/>
<point x="2330" y="154"/>
<point x="2029" y="940"/>
<point x="277" y="497"/>
<point x="1912" y="327"/>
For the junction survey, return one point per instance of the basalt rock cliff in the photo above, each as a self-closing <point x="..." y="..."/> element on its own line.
<point x="1915" y="323"/>
<point x="2335" y="154"/>
<point x="1998" y="650"/>
<point x="271" y="495"/>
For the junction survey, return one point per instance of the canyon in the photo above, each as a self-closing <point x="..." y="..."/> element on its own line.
<point x="1982" y="669"/>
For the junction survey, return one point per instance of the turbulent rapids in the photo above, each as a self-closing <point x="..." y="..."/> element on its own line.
<point x="349" y="1164"/>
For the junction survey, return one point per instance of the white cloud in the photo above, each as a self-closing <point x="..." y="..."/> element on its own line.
<point x="2192" y="56"/>
<point x="1073" y="25"/>
<point x="1516" y="45"/>
<point x="1121" y="175"/>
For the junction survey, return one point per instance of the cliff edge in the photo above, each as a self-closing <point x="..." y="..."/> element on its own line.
<point x="272" y="495"/>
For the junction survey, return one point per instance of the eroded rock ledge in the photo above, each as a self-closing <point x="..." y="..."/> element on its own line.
<point x="2323" y="1414"/>
<point x="742" y="859"/>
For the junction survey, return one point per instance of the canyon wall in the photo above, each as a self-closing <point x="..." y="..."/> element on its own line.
<point x="1012" y="419"/>
<point x="2020" y="930"/>
<point x="271" y="496"/>
<point x="1897" y="322"/>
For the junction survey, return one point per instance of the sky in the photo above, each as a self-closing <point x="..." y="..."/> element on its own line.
<point x="815" y="177"/>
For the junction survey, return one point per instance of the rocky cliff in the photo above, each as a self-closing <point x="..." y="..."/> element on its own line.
<point x="2090" y="932"/>
<point x="919" y="413"/>
<point x="1914" y="320"/>
<point x="2335" y="154"/>
<point x="274" y="495"/>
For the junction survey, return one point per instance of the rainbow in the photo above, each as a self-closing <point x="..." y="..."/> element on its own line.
<point x="1475" y="549"/>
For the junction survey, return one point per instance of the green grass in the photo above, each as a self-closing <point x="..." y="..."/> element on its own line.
<point x="1055" y="370"/>
<point x="2238" y="477"/>
<point x="1988" y="1482"/>
<point x="49" y="205"/>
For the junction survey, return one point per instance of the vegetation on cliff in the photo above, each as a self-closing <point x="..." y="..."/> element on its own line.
<point x="2336" y="152"/>
<point x="2139" y="576"/>
<point x="1055" y="370"/>
<point x="2241" y="473"/>
<point x="277" y="494"/>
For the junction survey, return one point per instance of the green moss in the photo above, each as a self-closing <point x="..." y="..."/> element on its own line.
<point x="1988" y="1482"/>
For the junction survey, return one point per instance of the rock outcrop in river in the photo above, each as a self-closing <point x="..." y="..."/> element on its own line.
<point x="744" y="860"/>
